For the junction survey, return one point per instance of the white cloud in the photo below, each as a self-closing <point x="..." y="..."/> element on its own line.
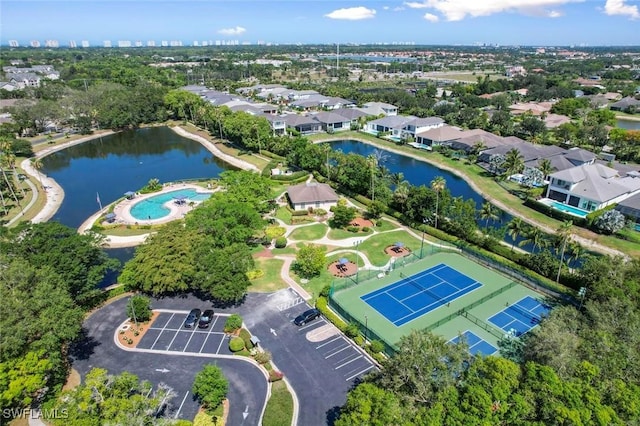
<point x="398" y="9"/>
<point x="232" y="31"/>
<point x="352" y="13"/>
<point x="555" y="14"/>
<point x="430" y="17"/>
<point x="456" y="10"/>
<point x="385" y="8"/>
<point x="618" y="7"/>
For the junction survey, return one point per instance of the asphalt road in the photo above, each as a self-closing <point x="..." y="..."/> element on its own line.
<point x="247" y="383"/>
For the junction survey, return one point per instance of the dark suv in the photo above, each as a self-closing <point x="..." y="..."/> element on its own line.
<point x="306" y="316"/>
<point x="206" y="318"/>
<point x="192" y="318"/>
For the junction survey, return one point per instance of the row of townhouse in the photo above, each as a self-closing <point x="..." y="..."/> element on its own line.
<point x="18" y="78"/>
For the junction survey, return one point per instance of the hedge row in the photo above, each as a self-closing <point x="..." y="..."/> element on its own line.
<point x="322" y="304"/>
<point x="556" y="214"/>
<point x="295" y="177"/>
<point x="272" y="155"/>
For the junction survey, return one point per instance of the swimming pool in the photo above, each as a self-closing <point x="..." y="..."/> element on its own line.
<point x="153" y="207"/>
<point x="569" y="209"/>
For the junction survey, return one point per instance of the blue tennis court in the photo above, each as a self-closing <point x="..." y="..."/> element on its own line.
<point x="521" y="316"/>
<point x="414" y="296"/>
<point x="477" y="345"/>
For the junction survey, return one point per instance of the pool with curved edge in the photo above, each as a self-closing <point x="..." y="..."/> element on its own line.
<point x="154" y="207"/>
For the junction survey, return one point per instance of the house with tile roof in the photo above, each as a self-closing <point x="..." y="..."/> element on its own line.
<point x="392" y="124"/>
<point x="592" y="186"/>
<point x="332" y="122"/>
<point x="626" y="104"/>
<point x="302" y="124"/>
<point x="379" y="108"/>
<point x="443" y="135"/>
<point x="630" y="207"/>
<point x="419" y="125"/>
<point x="352" y="114"/>
<point x="312" y="195"/>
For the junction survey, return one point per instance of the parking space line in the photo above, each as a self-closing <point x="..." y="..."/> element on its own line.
<point x="326" y="343"/>
<point x="348" y="362"/>
<point x="161" y="330"/>
<point x="215" y="320"/>
<point x="180" y="408"/>
<point x="204" y="343"/>
<point x="220" y="345"/>
<point x="337" y="352"/>
<point x="174" y="338"/>
<point x="362" y="372"/>
<point x="311" y="324"/>
<point x="190" y="337"/>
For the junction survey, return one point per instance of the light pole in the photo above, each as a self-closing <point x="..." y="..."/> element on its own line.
<point x="357" y="243"/>
<point x="366" y="328"/>
<point x="424" y="223"/>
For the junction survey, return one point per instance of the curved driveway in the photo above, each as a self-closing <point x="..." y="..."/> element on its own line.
<point x="248" y="387"/>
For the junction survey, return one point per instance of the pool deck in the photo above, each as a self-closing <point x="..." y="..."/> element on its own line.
<point x="122" y="210"/>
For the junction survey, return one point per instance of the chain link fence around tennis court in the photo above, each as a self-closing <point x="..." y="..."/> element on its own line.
<point x="342" y="283"/>
<point x="389" y="348"/>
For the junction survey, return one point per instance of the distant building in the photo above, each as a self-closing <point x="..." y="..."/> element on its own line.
<point x="14" y="43"/>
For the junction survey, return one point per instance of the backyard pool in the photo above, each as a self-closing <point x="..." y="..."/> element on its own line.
<point x="567" y="209"/>
<point x="154" y="207"/>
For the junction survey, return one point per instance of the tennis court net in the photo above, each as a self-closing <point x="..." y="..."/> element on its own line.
<point x="421" y="287"/>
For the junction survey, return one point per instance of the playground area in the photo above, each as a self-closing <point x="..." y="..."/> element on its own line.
<point x="445" y="293"/>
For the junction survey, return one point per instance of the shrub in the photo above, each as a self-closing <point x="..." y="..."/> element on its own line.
<point x="352" y="330"/>
<point x="320" y="212"/>
<point x="377" y="346"/>
<point x="321" y="304"/>
<point x="234" y="322"/>
<point x="366" y="229"/>
<point x="246" y="337"/>
<point x="325" y="290"/>
<point x="353" y="228"/>
<point x="281" y="242"/>
<point x="256" y="273"/>
<point x="236" y="344"/>
<point x="274" y="376"/>
<point x="379" y="357"/>
<point x="210" y="386"/>
<point x="139" y="308"/>
<point x="274" y="232"/>
<point x="299" y="213"/>
<point x="359" y="340"/>
<point x="263" y="357"/>
<point x="243" y="352"/>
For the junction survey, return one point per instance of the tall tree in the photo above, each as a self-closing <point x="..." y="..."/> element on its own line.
<point x="438" y="184"/>
<point x="564" y="235"/>
<point x="489" y="212"/>
<point x="515" y="228"/>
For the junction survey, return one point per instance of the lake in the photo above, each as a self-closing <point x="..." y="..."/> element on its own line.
<point x="628" y="124"/>
<point x="114" y="164"/>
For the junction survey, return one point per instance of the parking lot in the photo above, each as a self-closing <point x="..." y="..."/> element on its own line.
<point x="338" y="352"/>
<point x="168" y="334"/>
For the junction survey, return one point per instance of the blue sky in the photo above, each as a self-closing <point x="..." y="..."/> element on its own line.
<point x="443" y="22"/>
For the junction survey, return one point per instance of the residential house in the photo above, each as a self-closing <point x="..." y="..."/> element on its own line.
<point x="551" y="121"/>
<point x="471" y="139"/>
<point x="631" y="208"/>
<point x="626" y="104"/>
<point x="352" y="114"/>
<point x="277" y="122"/>
<point x="419" y="125"/>
<point x="535" y="108"/>
<point x="23" y="80"/>
<point x="8" y="86"/>
<point x="392" y="124"/>
<point x="443" y="135"/>
<point x="592" y="186"/>
<point x="296" y="95"/>
<point x="312" y="195"/>
<point x="302" y="124"/>
<point x="332" y="122"/>
<point x="379" y="108"/>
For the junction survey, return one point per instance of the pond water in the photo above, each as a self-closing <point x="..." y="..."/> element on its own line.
<point x="114" y="164"/>
<point x="628" y="124"/>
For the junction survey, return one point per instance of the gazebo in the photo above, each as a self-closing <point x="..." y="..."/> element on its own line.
<point x="130" y="195"/>
<point x="110" y="217"/>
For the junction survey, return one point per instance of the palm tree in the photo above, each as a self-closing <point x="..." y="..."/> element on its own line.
<point x="536" y="237"/>
<point x="397" y="179"/>
<point x="438" y="184"/>
<point x="545" y="168"/>
<point x="564" y="235"/>
<point x="401" y="195"/>
<point x="488" y="212"/>
<point x="11" y="162"/>
<point x="576" y="251"/>
<point x="3" y="170"/>
<point x="513" y="162"/>
<point x="36" y="163"/>
<point x="373" y="164"/>
<point x="515" y="228"/>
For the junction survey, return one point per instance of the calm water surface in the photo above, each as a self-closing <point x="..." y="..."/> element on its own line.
<point x="112" y="165"/>
<point x="628" y="124"/>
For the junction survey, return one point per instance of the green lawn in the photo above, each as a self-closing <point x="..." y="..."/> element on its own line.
<point x="271" y="280"/>
<point x="374" y="246"/>
<point x="315" y="284"/>
<point x="342" y="234"/>
<point x="385" y="225"/>
<point x="284" y="214"/>
<point x="279" y="410"/>
<point x="309" y="233"/>
<point x="289" y="249"/>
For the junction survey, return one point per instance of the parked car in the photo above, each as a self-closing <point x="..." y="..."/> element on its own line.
<point x="306" y="317"/>
<point x="206" y="318"/>
<point x="192" y="318"/>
